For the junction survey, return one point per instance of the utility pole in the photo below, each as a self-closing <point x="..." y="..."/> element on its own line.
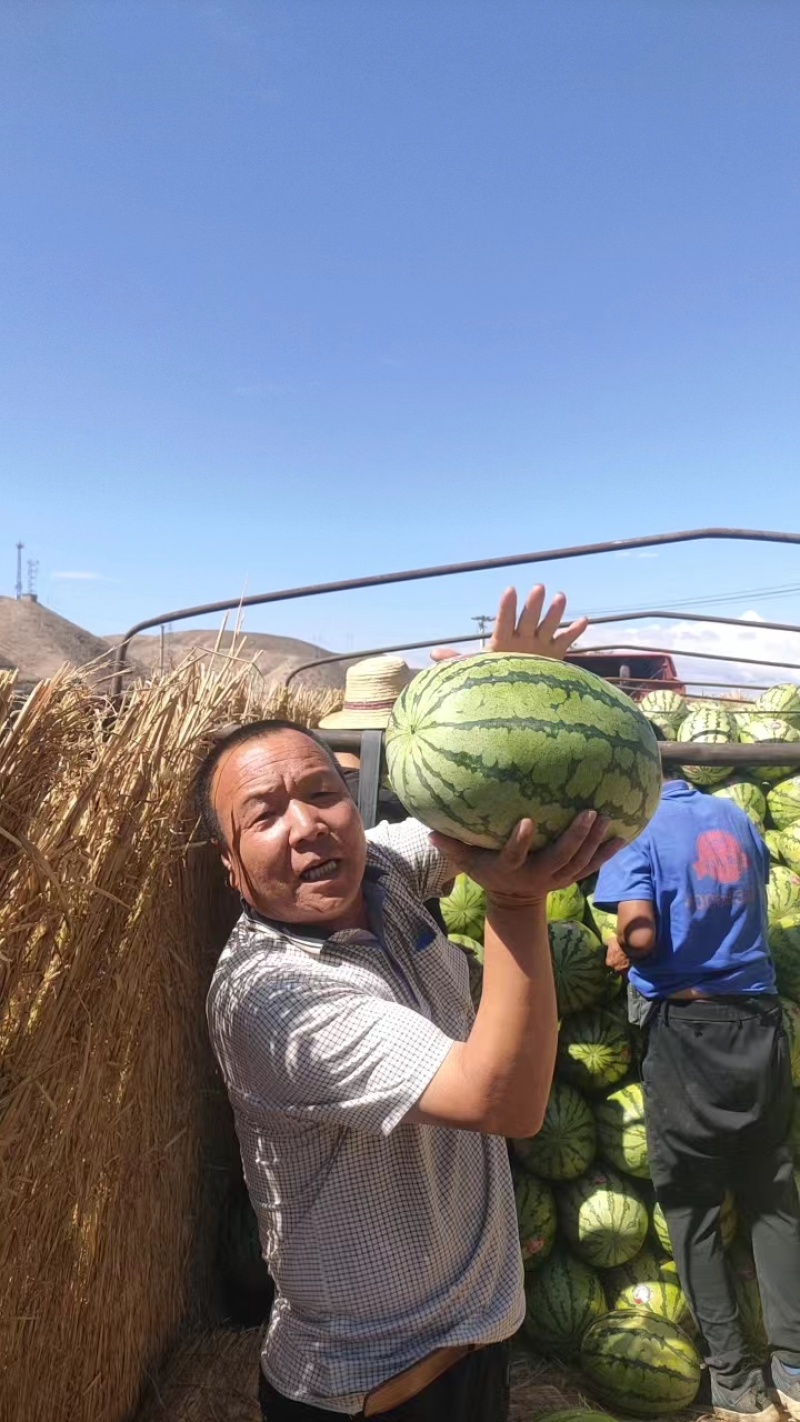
<point x="20" y="547"/>
<point x="483" y="623"/>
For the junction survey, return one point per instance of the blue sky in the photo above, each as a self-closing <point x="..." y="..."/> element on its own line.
<point x="297" y="291"/>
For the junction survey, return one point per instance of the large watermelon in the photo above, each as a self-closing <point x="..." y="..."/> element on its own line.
<point x="664" y="1299"/>
<point x="641" y="1269"/>
<point x="621" y="1134"/>
<point x="602" y="1218"/>
<point x="769" y="731"/>
<point x="579" y="966"/>
<point x="772" y="839"/>
<point x="784" y="947"/>
<point x="536" y="1215"/>
<point x="564" y="1297"/>
<point x="748" y="796"/>
<point x="475" y="745"/>
<point x="789" y="845"/>
<point x="708" y="725"/>
<point x="783" y="892"/>
<point x="605" y="923"/>
<point x="594" y="1049"/>
<point x="783" y="801"/>
<point x="565" y="1146"/>
<point x="464" y="908"/>
<point x="664" y="703"/>
<point x="782" y="701"/>
<point x="791" y="1026"/>
<point x="640" y="1363"/>
<point x="566" y="905"/>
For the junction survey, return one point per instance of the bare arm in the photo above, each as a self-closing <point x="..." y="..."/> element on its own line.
<point x="498" y="1081"/>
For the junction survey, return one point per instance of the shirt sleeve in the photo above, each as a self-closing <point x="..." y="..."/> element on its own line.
<point x="629" y="875"/>
<point x="327" y="1053"/>
<point x="409" y="846"/>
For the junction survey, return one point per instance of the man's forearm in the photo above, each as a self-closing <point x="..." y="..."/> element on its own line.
<point x="509" y="1056"/>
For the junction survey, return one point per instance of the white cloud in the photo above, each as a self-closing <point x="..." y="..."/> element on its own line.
<point x="80" y="577"/>
<point x="747" y="639"/>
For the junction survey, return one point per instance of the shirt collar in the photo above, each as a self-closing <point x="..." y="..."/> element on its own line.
<point x="675" y="789"/>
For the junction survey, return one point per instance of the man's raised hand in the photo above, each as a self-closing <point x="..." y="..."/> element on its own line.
<point x="530" y="633"/>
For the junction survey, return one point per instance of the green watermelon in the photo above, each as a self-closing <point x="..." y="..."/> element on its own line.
<point x="564" y="1147"/>
<point x="664" y="1299"/>
<point x="789" y="845"/>
<point x="748" y="796"/>
<point x="536" y="1214"/>
<point x="464" y="908"/>
<point x="782" y="701"/>
<point x="784" y="947"/>
<point x="474" y="955"/>
<point x="783" y="801"/>
<point x="791" y="1026"/>
<point x="594" y="1049"/>
<point x="748" y="1298"/>
<point x="640" y="1363"/>
<point x="660" y="1229"/>
<point x="605" y="923"/>
<point x="783" y="892"/>
<point x="620" y="1130"/>
<point x="664" y="703"/>
<point x="772" y="839"/>
<point x="475" y="745"/>
<point x="769" y="731"/>
<point x="668" y="1271"/>
<point x="641" y="1269"/>
<point x="564" y="1297"/>
<point x="602" y="1218"/>
<point x="708" y="725"/>
<point x="566" y="905"/>
<point x="579" y="966"/>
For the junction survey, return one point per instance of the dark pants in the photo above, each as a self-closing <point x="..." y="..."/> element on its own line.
<point x="475" y="1390"/>
<point x="718" y="1101"/>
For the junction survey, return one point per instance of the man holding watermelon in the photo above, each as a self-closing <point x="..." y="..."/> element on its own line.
<point x="692" y="931"/>
<point x="370" y="1101"/>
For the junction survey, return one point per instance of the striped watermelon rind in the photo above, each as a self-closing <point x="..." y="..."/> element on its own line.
<point x="564" y="1298"/>
<point x="640" y="1363"/>
<point x="789" y="844"/>
<point x="664" y="703"/>
<point x="664" y="1299"/>
<point x="642" y="1268"/>
<point x="594" y="1050"/>
<point x="579" y="966"/>
<point x="784" y="947"/>
<point x="602" y="1218"/>
<point x="748" y="796"/>
<point x="464" y="908"/>
<point x="475" y="745"/>
<point x="621" y="1135"/>
<point x="772" y="839"/>
<point x="537" y="1218"/>
<point x="565" y="1146"/>
<point x="782" y="701"/>
<point x="708" y="725"/>
<point x="769" y="731"/>
<point x="566" y="905"/>
<point x="783" y="802"/>
<point x="783" y="892"/>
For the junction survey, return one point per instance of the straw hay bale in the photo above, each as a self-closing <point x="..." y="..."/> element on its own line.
<point x="110" y="1112"/>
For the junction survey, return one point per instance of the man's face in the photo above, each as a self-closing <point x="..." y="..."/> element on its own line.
<point x="294" y="842"/>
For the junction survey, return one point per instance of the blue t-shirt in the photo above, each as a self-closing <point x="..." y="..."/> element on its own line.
<point x="704" y="867"/>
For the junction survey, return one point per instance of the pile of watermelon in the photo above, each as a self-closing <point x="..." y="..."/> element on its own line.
<point x="602" y="1287"/>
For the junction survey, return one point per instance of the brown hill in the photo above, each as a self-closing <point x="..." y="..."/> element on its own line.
<point x="38" y="641"/>
<point x="274" y="656"/>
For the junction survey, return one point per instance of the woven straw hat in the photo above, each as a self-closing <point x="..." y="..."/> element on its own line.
<point x="370" y="690"/>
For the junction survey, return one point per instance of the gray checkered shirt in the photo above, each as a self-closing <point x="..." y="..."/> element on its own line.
<point x="385" y="1240"/>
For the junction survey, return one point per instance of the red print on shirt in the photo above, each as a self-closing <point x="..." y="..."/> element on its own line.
<point x="720" y="857"/>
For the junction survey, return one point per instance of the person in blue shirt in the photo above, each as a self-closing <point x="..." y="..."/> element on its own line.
<point x="690" y="895"/>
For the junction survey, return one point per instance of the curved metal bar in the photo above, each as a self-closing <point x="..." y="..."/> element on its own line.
<point x="675" y="652"/>
<point x="548" y="555"/>
<point x="593" y="622"/>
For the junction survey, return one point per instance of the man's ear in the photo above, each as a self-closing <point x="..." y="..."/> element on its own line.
<point x="231" y="867"/>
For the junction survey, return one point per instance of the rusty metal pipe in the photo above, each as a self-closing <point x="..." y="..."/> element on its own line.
<point x="549" y="555"/>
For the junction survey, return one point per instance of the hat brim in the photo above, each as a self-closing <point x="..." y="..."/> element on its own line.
<point x="355" y="721"/>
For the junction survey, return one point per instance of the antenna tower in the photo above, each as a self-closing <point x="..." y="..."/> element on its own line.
<point x="18" y="588"/>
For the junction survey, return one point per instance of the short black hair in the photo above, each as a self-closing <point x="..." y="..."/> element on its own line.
<point x="227" y="739"/>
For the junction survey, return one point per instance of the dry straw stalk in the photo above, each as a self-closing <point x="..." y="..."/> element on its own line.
<point x="109" y="925"/>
